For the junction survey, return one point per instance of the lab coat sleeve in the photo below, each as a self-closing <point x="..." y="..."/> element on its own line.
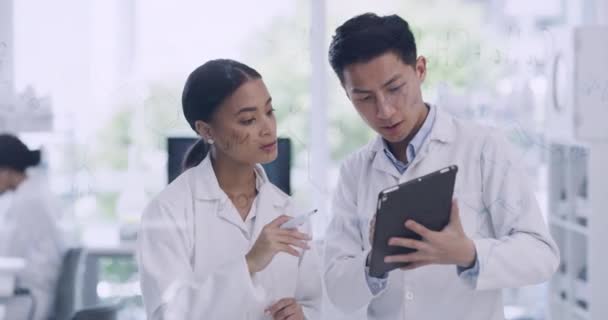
<point x="345" y="256"/>
<point x="521" y="251"/>
<point x="170" y="288"/>
<point x="309" y="289"/>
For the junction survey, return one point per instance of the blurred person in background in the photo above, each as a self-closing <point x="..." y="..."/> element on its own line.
<point x="28" y="226"/>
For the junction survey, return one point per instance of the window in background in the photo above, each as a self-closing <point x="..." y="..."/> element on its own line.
<point x="115" y="69"/>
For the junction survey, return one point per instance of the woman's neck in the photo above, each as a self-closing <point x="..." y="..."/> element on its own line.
<point x="233" y="177"/>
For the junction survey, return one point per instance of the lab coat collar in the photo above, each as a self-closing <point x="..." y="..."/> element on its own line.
<point x="443" y="129"/>
<point x="207" y="186"/>
<point x="207" y="189"/>
<point x="380" y="161"/>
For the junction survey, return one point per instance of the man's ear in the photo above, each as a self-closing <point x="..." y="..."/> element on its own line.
<point x="420" y="68"/>
<point x="203" y="129"/>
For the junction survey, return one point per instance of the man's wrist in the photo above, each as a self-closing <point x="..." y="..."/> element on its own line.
<point x="470" y="257"/>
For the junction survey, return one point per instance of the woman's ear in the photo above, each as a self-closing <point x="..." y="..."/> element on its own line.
<point x="204" y="130"/>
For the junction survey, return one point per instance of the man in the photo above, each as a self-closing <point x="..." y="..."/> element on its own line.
<point x="496" y="237"/>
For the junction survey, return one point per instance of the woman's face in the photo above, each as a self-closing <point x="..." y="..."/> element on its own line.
<point x="5" y="180"/>
<point x="244" y="127"/>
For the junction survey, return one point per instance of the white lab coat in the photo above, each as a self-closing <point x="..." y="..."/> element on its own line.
<point x="191" y="254"/>
<point x="498" y="211"/>
<point x="29" y="231"/>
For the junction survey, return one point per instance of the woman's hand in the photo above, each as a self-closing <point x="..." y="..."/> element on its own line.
<point x="273" y="240"/>
<point x="286" y="309"/>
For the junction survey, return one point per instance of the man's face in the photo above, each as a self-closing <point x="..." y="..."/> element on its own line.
<point x="386" y="93"/>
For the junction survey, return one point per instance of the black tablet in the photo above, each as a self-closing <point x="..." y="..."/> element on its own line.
<point x="426" y="200"/>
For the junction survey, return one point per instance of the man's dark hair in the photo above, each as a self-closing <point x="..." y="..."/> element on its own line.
<point x="367" y="36"/>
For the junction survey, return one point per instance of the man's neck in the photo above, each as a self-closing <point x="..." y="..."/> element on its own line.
<point x="399" y="149"/>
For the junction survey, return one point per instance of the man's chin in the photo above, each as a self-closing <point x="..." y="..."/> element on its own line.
<point x="393" y="138"/>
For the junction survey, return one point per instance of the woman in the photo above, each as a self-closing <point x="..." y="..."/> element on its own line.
<point x="28" y="229"/>
<point x="211" y="246"/>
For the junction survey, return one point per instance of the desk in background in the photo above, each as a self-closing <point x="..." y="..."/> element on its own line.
<point x="9" y="268"/>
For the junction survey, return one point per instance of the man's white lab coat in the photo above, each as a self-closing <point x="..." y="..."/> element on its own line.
<point x="498" y="211"/>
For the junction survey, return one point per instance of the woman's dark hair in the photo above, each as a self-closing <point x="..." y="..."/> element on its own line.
<point x="195" y="155"/>
<point x="210" y="84"/>
<point x="367" y="36"/>
<point x="15" y="155"/>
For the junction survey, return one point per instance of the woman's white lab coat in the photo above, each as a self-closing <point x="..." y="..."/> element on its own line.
<point x="498" y="211"/>
<point x="29" y="231"/>
<point x="191" y="254"/>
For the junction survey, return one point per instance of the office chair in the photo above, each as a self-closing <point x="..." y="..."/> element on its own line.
<point x="73" y="295"/>
<point x="66" y="286"/>
<point x="97" y="313"/>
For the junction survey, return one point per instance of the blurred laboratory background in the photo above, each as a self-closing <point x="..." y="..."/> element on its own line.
<point x="96" y="86"/>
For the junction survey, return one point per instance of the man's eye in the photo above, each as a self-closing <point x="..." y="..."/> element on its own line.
<point x="248" y="121"/>
<point x="395" y="89"/>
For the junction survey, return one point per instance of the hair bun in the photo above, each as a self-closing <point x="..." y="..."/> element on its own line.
<point x="35" y="156"/>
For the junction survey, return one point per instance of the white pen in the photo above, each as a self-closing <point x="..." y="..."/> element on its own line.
<point x="298" y="220"/>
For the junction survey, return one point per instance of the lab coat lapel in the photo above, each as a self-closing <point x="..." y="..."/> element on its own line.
<point x="441" y="135"/>
<point x="379" y="159"/>
<point x="213" y="197"/>
<point x="226" y="212"/>
<point x="271" y="204"/>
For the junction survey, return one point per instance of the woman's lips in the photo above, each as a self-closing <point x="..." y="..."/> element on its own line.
<point x="269" y="147"/>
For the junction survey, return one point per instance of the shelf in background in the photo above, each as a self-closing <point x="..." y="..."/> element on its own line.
<point x="568" y="225"/>
<point x="557" y="299"/>
<point x="580" y="312"/>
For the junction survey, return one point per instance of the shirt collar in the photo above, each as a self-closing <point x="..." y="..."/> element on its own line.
<point x="418" y="140"/>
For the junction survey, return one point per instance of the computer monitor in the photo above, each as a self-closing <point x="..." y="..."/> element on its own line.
<point x="177" y="147"/>
<point x="278" y="171"/>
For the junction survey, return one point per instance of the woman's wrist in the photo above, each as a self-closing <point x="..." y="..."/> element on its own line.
<point x="250" y="265"/>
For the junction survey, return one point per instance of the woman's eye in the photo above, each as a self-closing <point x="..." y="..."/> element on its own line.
<point x="270" y="112"/>
<point x="366" y="98"/>
<point x="248" y="121"/>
